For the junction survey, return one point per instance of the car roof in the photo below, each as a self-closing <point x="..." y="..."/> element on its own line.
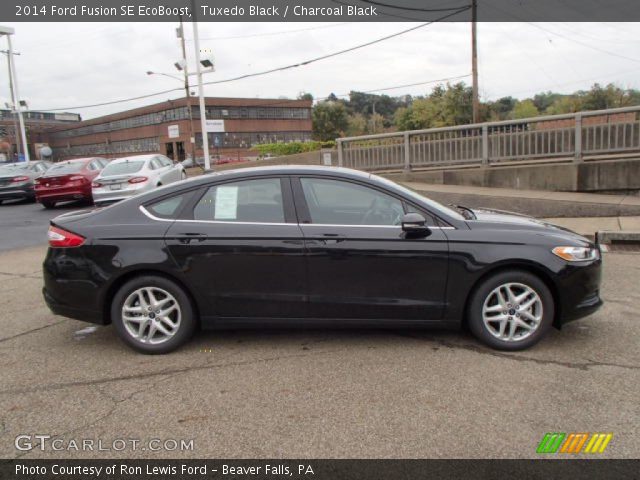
<point x="289" y="170"/>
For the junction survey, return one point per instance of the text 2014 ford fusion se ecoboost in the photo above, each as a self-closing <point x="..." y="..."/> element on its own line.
<point x="313" y="246"/>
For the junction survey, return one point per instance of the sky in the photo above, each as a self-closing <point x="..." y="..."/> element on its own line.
<point x="68" y="65"/>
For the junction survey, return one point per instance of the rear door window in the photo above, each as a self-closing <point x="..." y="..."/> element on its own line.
<point x="253" y="201"/>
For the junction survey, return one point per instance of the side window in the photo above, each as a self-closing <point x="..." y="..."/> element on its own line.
<point x="93" y="166"/>
<point x="343" y="203"/>
<point x="153" y="164"/>
<point x="257" y="200"/>
<point x="167" y="207"/>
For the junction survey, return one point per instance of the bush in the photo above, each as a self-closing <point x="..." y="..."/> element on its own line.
<point x="279" y="149"/>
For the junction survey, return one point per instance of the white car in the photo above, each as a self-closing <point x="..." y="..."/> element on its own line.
<point x="125" y="177"/>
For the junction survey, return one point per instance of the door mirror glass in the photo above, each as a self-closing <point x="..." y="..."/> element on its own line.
<point x="415" y="224"/>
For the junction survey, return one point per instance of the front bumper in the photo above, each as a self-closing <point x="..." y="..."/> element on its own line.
<point x="578" y="289"/>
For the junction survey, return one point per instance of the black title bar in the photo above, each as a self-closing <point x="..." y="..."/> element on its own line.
<point x="318" y="10"/>
<point x="316" y="469"/>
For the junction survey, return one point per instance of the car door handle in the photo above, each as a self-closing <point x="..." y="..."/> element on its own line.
<point x="188" y="237"/>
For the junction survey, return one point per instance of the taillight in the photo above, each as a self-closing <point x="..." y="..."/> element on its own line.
<point x="21" y="178"/>
<point x="138" y="179"/>
<point x="62" y="238"/>
<point x="96" y="184"/>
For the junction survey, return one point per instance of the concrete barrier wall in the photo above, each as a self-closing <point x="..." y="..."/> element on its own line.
<point x="307" y="158"/>
<point x="592" y="176"/>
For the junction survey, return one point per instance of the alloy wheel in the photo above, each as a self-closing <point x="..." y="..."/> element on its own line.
<point x="151" y="315"/>
<point x="512" y="312"/>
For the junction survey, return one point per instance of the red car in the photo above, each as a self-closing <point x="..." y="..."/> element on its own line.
<point x="68" y="180"/>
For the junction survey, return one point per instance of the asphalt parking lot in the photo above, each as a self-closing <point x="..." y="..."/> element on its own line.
<point x="313" y="394"/>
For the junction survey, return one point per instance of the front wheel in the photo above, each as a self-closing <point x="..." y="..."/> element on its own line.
<point x="48" y="204"/>
<point x="511" y="310"/>
<point x="153" y="315"/>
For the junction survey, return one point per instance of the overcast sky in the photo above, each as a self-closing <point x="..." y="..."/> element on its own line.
<point x="65" y="65"/>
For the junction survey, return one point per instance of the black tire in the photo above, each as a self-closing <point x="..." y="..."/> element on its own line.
<point x="484" y="290"/>
<point x="186" y="326"/>
<point x="47" y="204"/>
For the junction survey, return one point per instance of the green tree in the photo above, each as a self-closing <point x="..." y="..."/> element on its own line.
<point x="357" y="125"/>
<point x="305" y="96"/>
<point x="525" y="109"/>
<point x="330" y="120"/>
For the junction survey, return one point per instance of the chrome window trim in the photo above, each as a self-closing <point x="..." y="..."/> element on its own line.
<point x="153" y="217"/>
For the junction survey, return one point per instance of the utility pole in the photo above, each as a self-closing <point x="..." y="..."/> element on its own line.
<point x="474" y="60"/>
<point x="203" y="117"/>
<point x="8" y="31"/>
<point x="192" y="140"/>
<point x="16" y="131"/>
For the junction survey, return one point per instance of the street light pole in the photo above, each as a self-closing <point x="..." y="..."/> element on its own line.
<point x="203" y="117"/>
<point x="16" y="95"/>
<point x="16" y="128"/>
<point x="192" y="140"/>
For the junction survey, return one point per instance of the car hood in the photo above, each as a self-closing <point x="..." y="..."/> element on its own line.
<point x="516" y="221"/>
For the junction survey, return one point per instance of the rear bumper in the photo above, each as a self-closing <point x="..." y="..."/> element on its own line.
<point x="68" y="288"/>
<point x="60" y="194"/>
<point x="7" y="193"/>
<point x="106" y="196"/>
<point x="58" y="308"/>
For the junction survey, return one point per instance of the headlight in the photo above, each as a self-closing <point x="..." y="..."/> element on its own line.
<point x="577" y="254"/>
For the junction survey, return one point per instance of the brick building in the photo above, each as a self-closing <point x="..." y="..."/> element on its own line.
<point x="234" y="125"/>
<point x="37" y="124"/>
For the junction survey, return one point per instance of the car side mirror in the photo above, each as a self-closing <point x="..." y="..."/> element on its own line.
<point x="415" y="224"/>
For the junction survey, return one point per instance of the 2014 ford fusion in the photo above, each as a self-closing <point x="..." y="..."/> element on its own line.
<point x="313" y="245"/>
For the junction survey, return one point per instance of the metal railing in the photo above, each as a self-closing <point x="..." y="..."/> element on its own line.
<point x="577" y="136"/>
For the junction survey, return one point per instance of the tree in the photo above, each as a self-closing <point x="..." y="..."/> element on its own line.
<point x="305" y="96"/>
<point x="330" y="120"/>
<point x="357" y="125"/>
<point x="445" y="106"/>
<point x="525" y="109"/>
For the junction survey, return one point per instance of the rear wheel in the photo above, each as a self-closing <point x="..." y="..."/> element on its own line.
<point x="511" y="310"/>
<point x="48" y="204"/>
<point x="183" y="175"/>
<point x="153" y="315"/>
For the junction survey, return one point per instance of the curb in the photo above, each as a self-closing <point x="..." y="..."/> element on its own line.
<point x="622" y="236"/>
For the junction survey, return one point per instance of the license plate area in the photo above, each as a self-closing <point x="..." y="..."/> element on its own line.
<point x="116" y="186"/>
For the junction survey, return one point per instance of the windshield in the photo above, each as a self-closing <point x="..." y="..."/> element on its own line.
<point x="437" y="207"/>
<point x="64" y="168"/>
<point x="122" y="168"/>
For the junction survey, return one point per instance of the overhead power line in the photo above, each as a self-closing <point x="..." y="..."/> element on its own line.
<point x="415" y="9"/>
<point x="265" y="72"/>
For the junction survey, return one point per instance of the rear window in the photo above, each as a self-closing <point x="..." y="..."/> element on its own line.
<point x="168" y="207"/>
<point x="64" y="168"/>
<point x="122" y="168"/>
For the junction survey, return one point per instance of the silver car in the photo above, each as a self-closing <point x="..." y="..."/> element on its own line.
<point x="125" y="177"/>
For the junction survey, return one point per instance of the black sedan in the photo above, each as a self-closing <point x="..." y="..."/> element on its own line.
<point x="313" y="246"/>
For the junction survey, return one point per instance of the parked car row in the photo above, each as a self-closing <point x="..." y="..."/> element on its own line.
<point x="94" y="179"/>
